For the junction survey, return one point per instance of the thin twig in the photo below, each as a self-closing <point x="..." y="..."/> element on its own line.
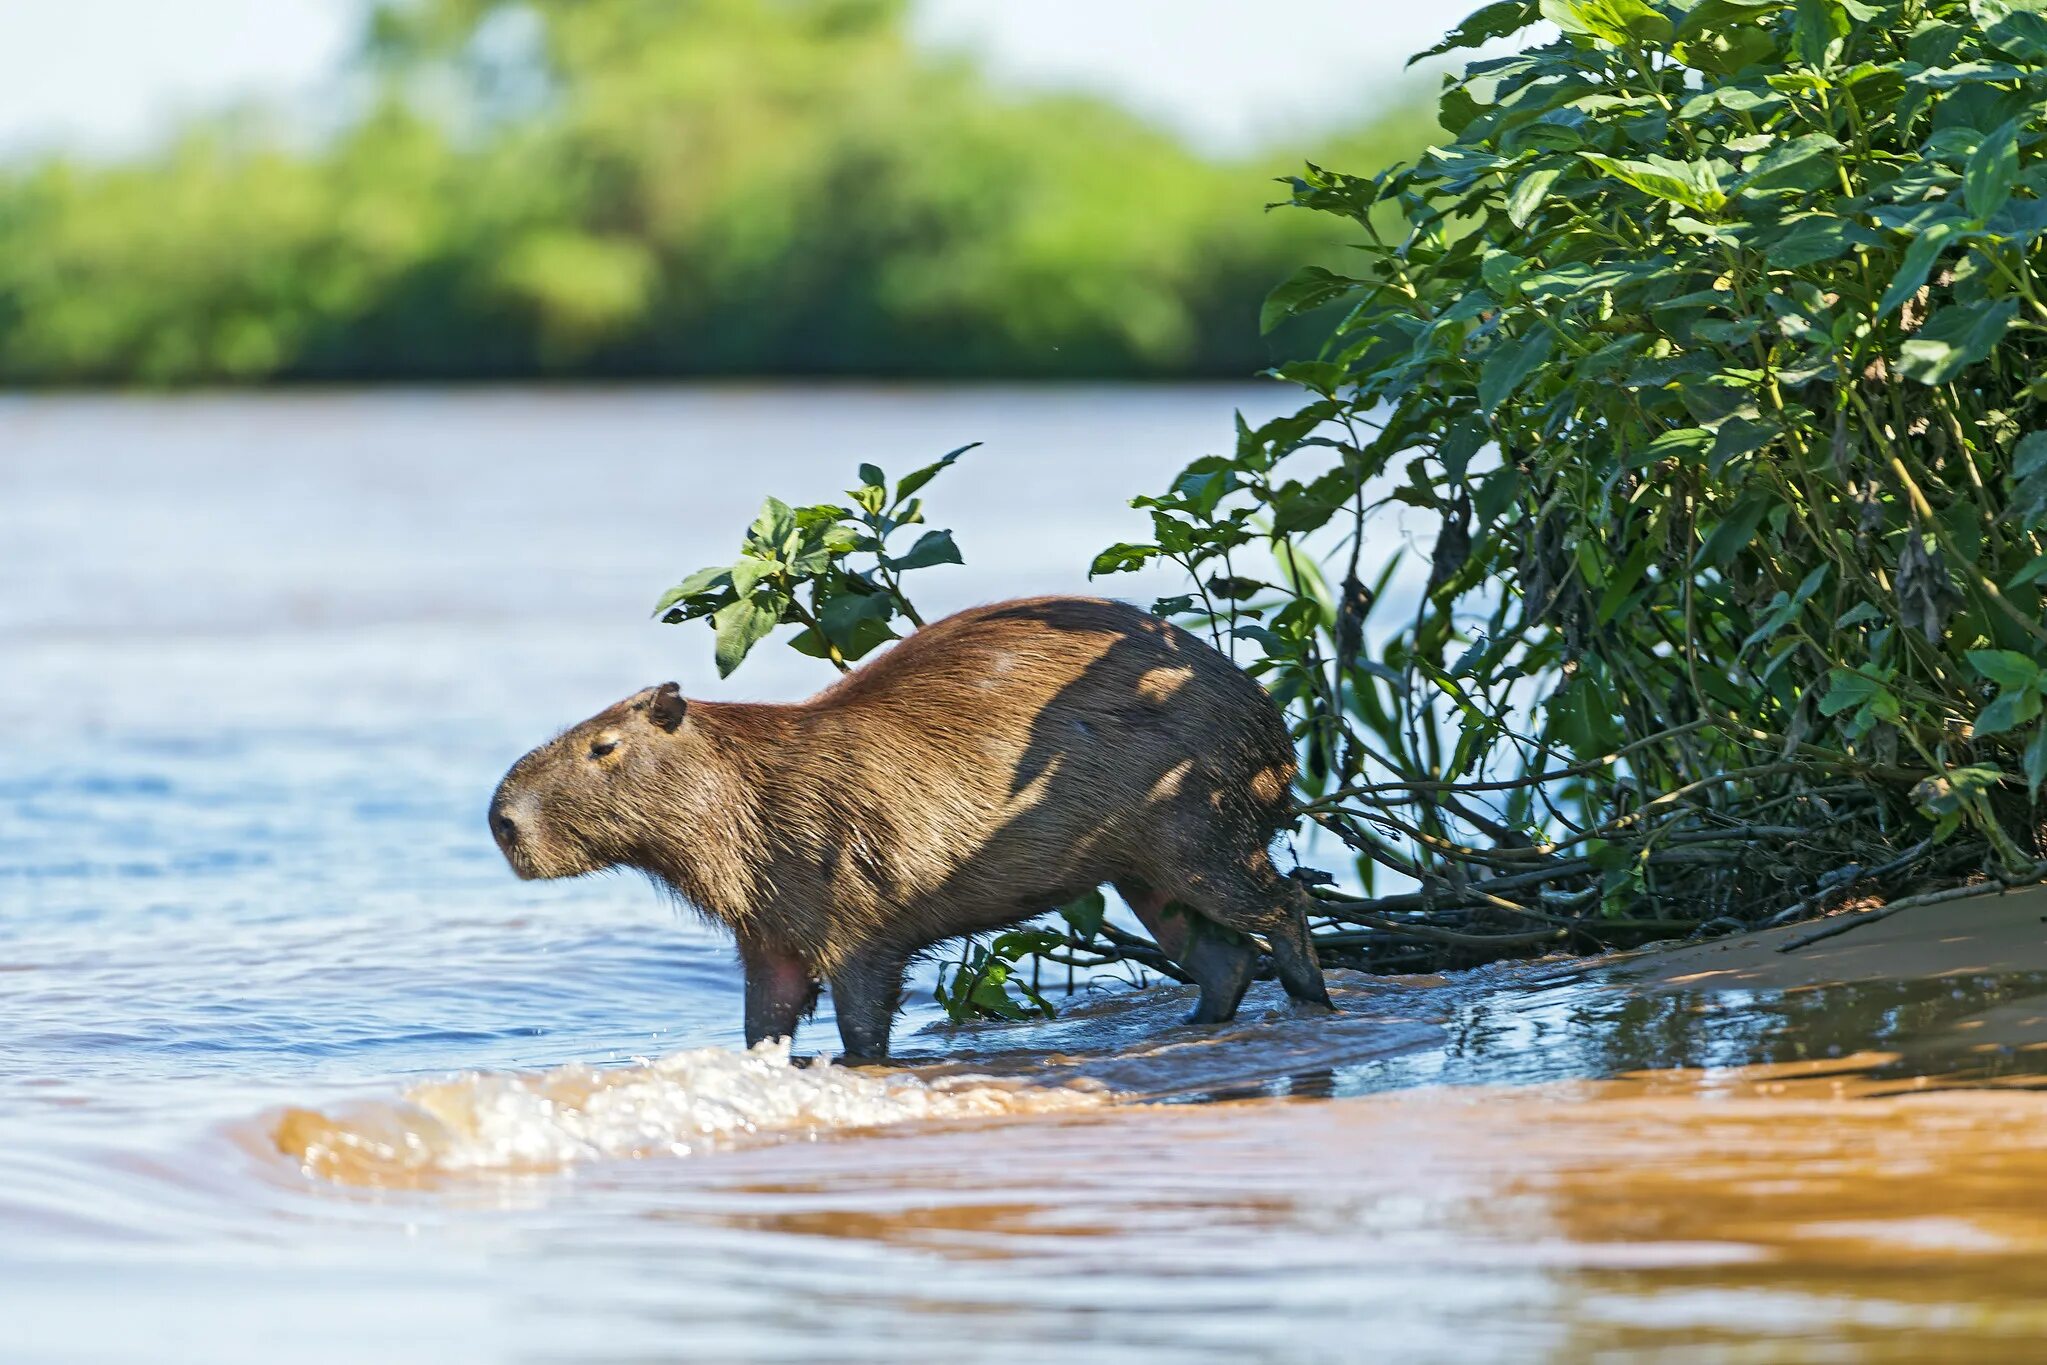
<point x="1954" y="893"/>
<point x="1434" y="935"/>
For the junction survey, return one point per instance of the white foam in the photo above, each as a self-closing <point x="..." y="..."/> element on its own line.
<point x="684" y="1103"/>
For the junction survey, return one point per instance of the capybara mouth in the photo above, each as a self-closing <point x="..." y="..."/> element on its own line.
<point x="526" y="863"/>
<point x="511" y="842"/>
<point x="528" y="868"/>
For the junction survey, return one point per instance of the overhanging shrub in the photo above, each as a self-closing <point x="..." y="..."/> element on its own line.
<point x="1714" y="345"/>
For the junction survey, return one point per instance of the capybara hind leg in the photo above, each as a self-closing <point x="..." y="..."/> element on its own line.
<point x="1168" y="931"/>
<point x="780" y="993"/>
<point x="1220" y="963"/>
<point x="1293" y="958"/>
<point x="865" y="994"/>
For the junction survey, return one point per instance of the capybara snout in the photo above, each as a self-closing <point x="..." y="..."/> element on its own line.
<point x="985" y="769"/>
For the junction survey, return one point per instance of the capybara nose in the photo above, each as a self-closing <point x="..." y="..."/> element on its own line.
<point x="506" y="831"/>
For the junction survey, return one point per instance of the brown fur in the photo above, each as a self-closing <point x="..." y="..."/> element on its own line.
<point x="988" y="767"/>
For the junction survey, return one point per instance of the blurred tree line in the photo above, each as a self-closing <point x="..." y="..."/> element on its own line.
<point x="630" y="188"/>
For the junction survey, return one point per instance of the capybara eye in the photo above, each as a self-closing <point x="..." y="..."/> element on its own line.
<point x="602" y="747"/>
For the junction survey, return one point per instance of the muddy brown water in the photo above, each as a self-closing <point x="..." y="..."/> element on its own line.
<point x="292" y="1069"/>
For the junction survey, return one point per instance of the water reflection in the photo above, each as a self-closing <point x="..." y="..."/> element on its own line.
<point x="1592" y="1026"/>
<point x="1553" y="1221"/>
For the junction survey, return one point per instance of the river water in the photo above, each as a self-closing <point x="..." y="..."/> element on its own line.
<point x="292" y="1068"/>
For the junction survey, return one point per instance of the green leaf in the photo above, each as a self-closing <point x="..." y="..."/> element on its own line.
<point x="1494" y="21"/>
<point x="697" y="583"/>
<point x="1818" y="237"/>
<point x="1085" y="914"/>
<point x="1739" y="436"/>
<point x="2006" y="667"/>
<point x="1846" y="690"/>
<point x="1821" y="27"/>
<point x="1496" y="493"/>
<point x="749" y="571"/>
<point x="1958" y="336"/>
<point x="2029" y="456"/>
<point x="1918" y="264"/>
<point x="1735" y="99"/>
<point x="1123" y="558"/>
<point x="912" y="482"/>
<point x="1577" y="280"/>
<point x="2030" y="574"/>
<point x="775" y="524"/>
<point x="743" y="624"/>
<point x="1508" y="365"/>
<point x="1799" y="163"/>
<point x="1626" y="578"/>
<point x="2010" y="710"/>
<point x="933" y="547"/>
<point x="1965" y="74"/>
<point x="1529" y="192"/>
<point x="2018" y="27"/>
<point x="1310" y="287"/>
<point x="2036" y="761"/>
<point x="1693" y="184"/>
<point x="1681" y="443"/>
<point x="1618" y="23"/>
<point x="1992" y="169"/>
<point x="872" y="477"/>
<point x="1721" y="38"/>
<point x="857" y="622"/>
<point x="1734" y="533"/>
<point x="1462" y="441"/>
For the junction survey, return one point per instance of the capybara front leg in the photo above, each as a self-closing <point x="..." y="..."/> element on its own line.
<point x="1219" y="962"/>
<point x="865" y="994"/>
<point x="780" y="993"/>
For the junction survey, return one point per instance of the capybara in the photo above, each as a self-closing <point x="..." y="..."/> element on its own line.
<point x="983" y="770"/>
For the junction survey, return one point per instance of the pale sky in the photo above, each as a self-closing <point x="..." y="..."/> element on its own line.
<point x="109" y="75"/>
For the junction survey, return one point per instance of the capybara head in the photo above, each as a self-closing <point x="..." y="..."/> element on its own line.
<point x="574" y="804"/>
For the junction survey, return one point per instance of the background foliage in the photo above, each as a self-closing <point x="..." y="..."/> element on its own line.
<point x="609" y="187"/>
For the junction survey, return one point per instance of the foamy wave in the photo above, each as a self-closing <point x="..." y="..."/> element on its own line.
<point x="676" y="1105"/>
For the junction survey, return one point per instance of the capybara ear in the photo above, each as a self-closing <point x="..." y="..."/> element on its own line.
<point x="666" y="707"/>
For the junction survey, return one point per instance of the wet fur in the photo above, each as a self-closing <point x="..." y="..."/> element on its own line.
<point x="988" y="767"/>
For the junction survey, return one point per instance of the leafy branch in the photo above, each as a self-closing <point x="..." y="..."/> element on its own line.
<point x="802" y="566"/>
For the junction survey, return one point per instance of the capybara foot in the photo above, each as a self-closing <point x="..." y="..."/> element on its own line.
<point x="1298" y="969"/>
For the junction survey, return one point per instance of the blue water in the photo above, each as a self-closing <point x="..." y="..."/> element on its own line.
<point x="262" y="660"/>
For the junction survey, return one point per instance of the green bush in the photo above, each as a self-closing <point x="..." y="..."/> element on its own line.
<point x="1713" y="346"/>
